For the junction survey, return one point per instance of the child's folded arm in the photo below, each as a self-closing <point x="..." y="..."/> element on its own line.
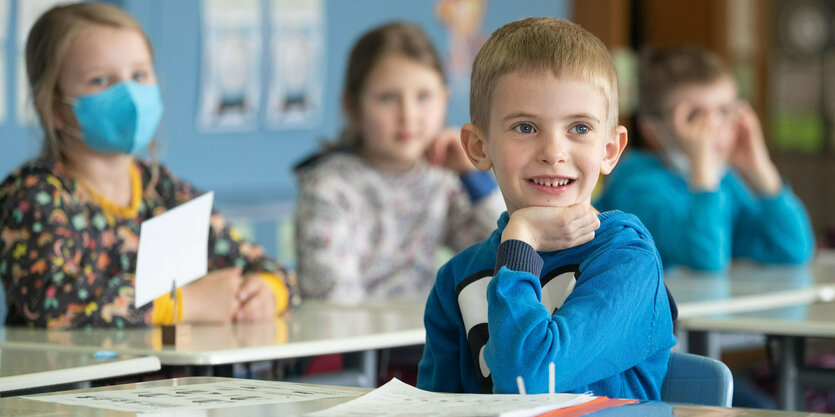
<point x="439" y="368"/>
<point x="774" y="230"/>
<point x="687" y="227"/>
<point x="607" y="325"/>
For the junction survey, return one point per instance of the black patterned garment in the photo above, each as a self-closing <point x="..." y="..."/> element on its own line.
<point x="67" y="260"/>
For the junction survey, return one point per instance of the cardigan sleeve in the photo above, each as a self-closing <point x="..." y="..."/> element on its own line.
<point x="474" y="205"/>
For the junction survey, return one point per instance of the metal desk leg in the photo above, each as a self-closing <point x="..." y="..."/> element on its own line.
<point x="789" y="395"/>
<point x="366" y="363"/>
<point x="705" y="344"/>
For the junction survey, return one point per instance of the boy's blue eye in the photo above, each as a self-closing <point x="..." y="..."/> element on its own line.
<point x="525" y="128"/>
<point x="580" y="129"/>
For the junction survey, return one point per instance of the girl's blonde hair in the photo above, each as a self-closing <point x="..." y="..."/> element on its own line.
<point x="396" y="38"/>
<point x="46" y="50"/>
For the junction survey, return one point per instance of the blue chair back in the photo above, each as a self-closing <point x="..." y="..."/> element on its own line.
<point x="3" y="308"/>
<point x="694" y="379"/>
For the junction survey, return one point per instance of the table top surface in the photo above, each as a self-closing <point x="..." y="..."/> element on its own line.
<point x="748" y="287"/>
<point x="15" y="406"/>
<point x="809" y="320"/>
<point x="27" y="368"/>
<point x="318" y="328"/>
<point x="315" y="328"/>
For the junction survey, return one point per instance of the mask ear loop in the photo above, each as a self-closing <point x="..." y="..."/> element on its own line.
<point x="76" y="133"/>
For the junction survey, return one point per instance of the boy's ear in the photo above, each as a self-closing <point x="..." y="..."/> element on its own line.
<point x="475" y="146"/>
<point x="613" y="149"/>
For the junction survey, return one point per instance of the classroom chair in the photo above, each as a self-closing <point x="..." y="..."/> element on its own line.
<point x="3" y="308"/>
<point x="699" y="380"/>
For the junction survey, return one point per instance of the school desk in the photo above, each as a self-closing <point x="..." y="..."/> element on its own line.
<point x="19" y="406"/>
<point x="749" y="287"/>
<point x="315" y="328"/>
<point x="746" y="287"/>
<point x="22" y="369"/>
<point x="790" y="326"/>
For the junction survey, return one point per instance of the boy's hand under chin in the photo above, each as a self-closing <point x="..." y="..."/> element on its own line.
<point x="550" y="229"/>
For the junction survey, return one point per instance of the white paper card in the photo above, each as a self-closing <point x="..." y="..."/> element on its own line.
<point x="236" y="393"/>
<point x="397" y="398"/>
<point x="173" y="248"/>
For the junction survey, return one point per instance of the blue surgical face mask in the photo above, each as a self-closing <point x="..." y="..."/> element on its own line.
<point x="121" y="119"/>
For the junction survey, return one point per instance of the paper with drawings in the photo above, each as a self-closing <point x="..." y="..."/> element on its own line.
<point x="197" y="396"/>
<point x="397" y="398"/>
<point x="173" y="247"/>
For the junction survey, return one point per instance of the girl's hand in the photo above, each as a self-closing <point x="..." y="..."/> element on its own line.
<point x="552" y="228"/>
<point x="257" y="301"/>
<point x="446" y="151"/>
<point x="211" y="299"/>
<point x="749" y="155"/>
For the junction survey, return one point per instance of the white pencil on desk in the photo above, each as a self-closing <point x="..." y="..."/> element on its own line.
<point x="521" y="384"/>
<point x="552" y="380"/>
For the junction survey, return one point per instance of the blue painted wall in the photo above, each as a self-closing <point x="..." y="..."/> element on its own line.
<point x="252" y="167"/>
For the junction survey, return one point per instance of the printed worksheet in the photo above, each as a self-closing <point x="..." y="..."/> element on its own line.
<point x="396" y="398"/>
<point x="198" y="396"/>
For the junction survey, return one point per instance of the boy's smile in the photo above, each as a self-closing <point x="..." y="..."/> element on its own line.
<point x="548" y="139"/>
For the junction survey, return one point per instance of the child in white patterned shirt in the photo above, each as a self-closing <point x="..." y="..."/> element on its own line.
<point x="375" y="207"/>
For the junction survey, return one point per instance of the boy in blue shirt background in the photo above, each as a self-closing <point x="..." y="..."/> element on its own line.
<point x="557" y="282"/>
<point x="709" y="192"/>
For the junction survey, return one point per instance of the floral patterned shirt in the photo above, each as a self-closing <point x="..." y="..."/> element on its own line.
<point x="67" y="262"/>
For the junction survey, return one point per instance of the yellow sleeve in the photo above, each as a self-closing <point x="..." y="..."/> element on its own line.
<point x="279" y="290"/>
<point x="163" y="312"/>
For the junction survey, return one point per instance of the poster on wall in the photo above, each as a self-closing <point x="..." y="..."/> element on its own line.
<point x="231" y="66"/>
<point x="297" y="74"/>
<point x="464" y="24"/>
<point x="27" y="13"/>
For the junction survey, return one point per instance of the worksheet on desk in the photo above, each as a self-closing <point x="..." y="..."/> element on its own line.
<point x="197" y="396"/>
<point x="397" y="398"/>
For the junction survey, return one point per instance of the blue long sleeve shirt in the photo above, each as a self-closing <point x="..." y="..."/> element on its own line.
<point x="598" y="311"/>
<point x="704" y="230"/>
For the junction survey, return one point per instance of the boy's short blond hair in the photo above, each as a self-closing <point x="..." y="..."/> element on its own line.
<point x="541" y="44"/>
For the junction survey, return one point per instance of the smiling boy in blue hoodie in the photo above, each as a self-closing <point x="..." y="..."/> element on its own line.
<point x="557" y="282"/>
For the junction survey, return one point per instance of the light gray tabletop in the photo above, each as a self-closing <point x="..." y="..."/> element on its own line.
<point x="25" y="368"/>
<point x="20" y="406"/>
<point x="748" y="287"/>
<point x="808" y="320"/>
<point x="313" y="329"/>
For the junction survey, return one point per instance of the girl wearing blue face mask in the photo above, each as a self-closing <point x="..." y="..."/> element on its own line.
<point x="70" y="218"/>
